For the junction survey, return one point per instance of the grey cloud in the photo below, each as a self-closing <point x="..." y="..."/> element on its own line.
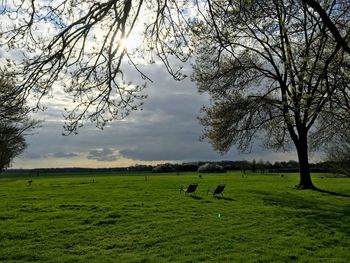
<point x="63" y="154"/>
<point x="32" y="155"/>
<point x="103" y="155"/>
<point x="181" y="152"/>
<point x="166" y="129"/>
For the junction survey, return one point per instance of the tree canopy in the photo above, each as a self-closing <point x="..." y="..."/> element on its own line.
<point x="338" y="154"/>
<point x="15" y="122"/>
<point x="271" y="66"/>
<point x="80" y="45"/>
<point x="343" y="41"/>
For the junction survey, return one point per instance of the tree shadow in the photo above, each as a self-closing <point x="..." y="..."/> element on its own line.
<point x="310" y="213"/>
<point x="330" y="192"/>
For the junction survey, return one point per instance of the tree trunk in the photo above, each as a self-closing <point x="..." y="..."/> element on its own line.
<point x="304" y="169"/>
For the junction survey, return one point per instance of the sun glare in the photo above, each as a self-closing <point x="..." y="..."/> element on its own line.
<point x="129" y="43"/>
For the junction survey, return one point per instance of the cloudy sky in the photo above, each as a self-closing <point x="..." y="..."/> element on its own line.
<point x="166" y="130"/>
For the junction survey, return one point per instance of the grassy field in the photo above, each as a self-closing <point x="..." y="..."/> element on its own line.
<point x="106" y="218"/>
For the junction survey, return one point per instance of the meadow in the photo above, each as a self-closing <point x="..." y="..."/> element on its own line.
<point x="124" y="218"/>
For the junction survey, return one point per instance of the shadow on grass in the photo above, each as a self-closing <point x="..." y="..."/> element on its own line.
<point x="195" y="197"/>
<point x="311" y="213"/>
<point x="330" y="192"/>
<point x="224" y="198"/>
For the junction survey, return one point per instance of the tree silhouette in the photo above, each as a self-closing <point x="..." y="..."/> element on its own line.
<point x="269" y="66"/>
<point x="79" y="45"/>
<point x="338" y="154"/>
<point x="15" y="122"/>
<point x="12" y="144"/>
<point x="326" y="19"/>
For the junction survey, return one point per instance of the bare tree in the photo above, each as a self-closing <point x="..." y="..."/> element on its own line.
<point x="270" y="66"/>
<point x="343" y="41"/>
<point x="338" y="154"/>
<point x="15" y="122"/>
<point x="79" y="46"/>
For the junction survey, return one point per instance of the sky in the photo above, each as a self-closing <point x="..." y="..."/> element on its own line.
<point x="166" y="130"/>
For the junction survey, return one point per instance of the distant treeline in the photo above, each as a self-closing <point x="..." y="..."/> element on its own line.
<point x="244" y="166"/>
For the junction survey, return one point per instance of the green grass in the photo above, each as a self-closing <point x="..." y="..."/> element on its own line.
<point x="262" y="218"/>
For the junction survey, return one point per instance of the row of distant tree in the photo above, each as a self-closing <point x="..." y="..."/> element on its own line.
<point x="244" y="166"/>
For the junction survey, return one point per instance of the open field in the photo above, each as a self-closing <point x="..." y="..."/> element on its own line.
<point x="106" y="218"/>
